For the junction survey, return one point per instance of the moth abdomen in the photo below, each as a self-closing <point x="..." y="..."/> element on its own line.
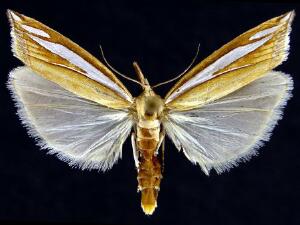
<point x="149" y="173"/>
<point x="149" y="178"/>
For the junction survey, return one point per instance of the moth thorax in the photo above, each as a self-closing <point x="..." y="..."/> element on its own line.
<point x="153" y="106"/>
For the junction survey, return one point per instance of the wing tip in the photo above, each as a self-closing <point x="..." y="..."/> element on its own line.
<point x="13" y="16"/>
<point x="288" y="19"/>
<point x="289" y="16"/>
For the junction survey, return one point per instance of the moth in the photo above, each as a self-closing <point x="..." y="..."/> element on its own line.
<point x="218" y="113"/>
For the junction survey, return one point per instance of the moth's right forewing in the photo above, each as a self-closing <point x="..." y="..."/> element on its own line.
<point x="236" y="64"/>
<point x="58" y="59"/>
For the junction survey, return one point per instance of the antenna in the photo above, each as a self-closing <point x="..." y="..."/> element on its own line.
<point x="116" y="71"/>
<point x="181" y="74"/>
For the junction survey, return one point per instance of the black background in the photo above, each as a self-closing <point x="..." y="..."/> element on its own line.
<point x="162" y="37"/>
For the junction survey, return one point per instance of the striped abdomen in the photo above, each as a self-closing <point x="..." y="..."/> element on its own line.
<point x="149" y="173"/>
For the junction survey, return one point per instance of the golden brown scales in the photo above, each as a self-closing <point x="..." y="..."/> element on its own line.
<point x="149" y="108"/>
<point x="33" y="44"/>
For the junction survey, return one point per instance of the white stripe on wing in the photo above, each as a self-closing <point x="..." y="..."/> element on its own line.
<point x="208" y="72"/>
<point x="75" y="59"/>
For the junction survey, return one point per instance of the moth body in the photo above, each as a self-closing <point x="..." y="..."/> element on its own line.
<point x="149" y="108"/>
<point x="218" y="113"/>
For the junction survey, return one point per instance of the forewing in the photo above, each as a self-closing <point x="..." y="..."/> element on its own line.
<point x="224" y="132"/>
<point x="58" y="59"/>
<point x="238" y="63"/>
<point x="79" y="131"/>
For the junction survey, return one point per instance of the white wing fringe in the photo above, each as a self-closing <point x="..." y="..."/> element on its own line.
<point x="230" y="130"/>
<point x="80" y="132"/>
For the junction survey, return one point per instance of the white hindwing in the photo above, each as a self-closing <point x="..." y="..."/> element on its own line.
<point x="230" y="129"/>
<point x="80" y="132"/>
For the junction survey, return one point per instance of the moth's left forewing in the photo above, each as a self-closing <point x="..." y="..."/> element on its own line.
<point x="60" y="60"/>
<point x="69" y="101"/>
<point x="241" y="61"/>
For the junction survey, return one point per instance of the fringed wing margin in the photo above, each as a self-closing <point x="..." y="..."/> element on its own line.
<point x="229" y="130"/>
<point x="78" y="131"/>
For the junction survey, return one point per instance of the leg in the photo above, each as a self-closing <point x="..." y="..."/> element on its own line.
<point x="135" y="152"/>
<point x="161" y="138"/>
<point x="163" y="156"/>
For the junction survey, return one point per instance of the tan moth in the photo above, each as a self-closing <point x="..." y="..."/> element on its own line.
<point x="218" y="113"/>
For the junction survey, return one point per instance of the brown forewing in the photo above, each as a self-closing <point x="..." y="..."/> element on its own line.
<point x="58" y="69"/>
<point x="238" y="73"/>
